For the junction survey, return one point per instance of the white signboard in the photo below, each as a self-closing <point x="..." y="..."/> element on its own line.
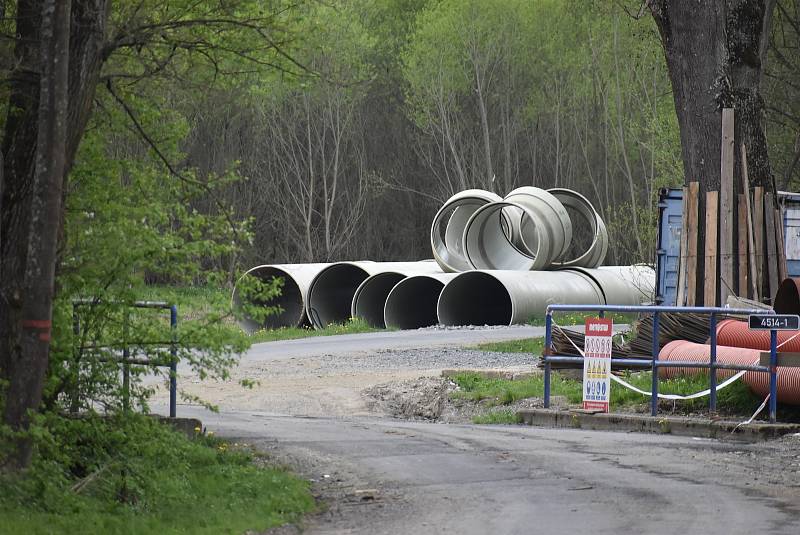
<point x="597" y="364"/>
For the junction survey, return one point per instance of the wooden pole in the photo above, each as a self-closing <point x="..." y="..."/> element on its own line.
<point x="772" y="257"/>
<point x="781" y="245"/>
<point x="712" y="216"/>
<point x="758" y="233"/>
<point x="726" y="207"/>
<point x="690" y="225"/>
<point x="742" y="245"/>
<point x="751" y="248"/>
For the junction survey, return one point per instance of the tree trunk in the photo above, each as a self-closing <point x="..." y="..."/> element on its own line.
<point x="27" y="366"/>
<point x="58" y="52"/>
<point x="715" y="54"/>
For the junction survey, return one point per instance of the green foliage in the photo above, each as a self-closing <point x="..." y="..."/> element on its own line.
<point x="255" y="295"/>
<point x="132" y="474"/>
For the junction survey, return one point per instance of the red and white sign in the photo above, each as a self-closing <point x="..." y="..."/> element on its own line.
<point x="597" y="364"/>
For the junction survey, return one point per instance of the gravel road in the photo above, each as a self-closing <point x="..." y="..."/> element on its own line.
<point x="324" y="376"/>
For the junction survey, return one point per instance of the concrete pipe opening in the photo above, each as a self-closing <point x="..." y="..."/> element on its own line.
<point x="330" y="298"/>
<point x="487" y="244"/>
<point x="447" y="229"/>
<point x="589" y="235"/>
<point x="412" y="302"/>
<point x="370" y="297"/>
<point x="296" y="279"/>
<point x="475" y="298"/>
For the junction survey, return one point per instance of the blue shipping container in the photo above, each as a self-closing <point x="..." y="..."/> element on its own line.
<point x="670" y="222"/>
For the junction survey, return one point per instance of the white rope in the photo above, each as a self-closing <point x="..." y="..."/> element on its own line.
<point x="696" y="395"/>
<point x="753" y="417"/>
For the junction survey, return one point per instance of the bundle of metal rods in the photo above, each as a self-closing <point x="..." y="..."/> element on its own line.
<point x="565" y="342"/>
<point x="691" y="327"/>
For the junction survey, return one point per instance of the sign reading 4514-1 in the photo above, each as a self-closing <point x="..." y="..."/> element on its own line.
<point x="597" y="364"/>
<point x="774" y="322"/>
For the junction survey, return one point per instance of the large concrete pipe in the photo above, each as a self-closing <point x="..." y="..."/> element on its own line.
<point x="589" y="235"/>
<point x="758" y="382"/>
<point x="330" y="294"/>
<point x="292" y="301"/>
<point x="412" y="302"/>
<point x="512" y="297"/>
<point x="448" y="250"/>
<point x="557" y="224"/>
<point x="622" y="285"/>
<point x="544" y="233"/>
<point x="369" y="300"/>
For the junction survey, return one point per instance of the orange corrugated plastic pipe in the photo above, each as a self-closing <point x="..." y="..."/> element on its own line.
<point x="736" y="333"/>
<point x="682" y="350"/>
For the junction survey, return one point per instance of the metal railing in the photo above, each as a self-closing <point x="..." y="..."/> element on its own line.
<point x="126" y="359"/>
<point x="548" y="357"/>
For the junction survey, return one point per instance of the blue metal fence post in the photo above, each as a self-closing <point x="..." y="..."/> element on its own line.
<point x="654" y="390"/>
<point x="548" y="338"/>
<point x="773" y="375"/>
<point x="173" y="362"/>
<point x="712" y="371"/>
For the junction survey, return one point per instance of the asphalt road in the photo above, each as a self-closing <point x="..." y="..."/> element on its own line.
<point x="395" y="477"/>
<point x="385" y="476"/>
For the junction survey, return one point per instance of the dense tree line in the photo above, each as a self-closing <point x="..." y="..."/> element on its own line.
<point x="407" y="102"/>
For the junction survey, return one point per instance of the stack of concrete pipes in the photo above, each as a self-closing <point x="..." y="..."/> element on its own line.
<point x="497" y="261"/>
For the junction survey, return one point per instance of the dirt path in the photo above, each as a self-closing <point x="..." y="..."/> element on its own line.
<point x="325" y="376"/>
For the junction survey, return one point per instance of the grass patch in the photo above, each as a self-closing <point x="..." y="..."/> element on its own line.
<point x="134" y="475"/>
<point x="734" y="399"/>
<point x="579" y="318"/>
<point x="502" y="416"/>
<point x="354" y="326"/>
<point x="476" y="387"/>
<point x="194" y="302"/>
<point x="527" y="345"/>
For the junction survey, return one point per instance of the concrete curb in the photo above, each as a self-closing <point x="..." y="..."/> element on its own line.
<point x="682" y="426"/>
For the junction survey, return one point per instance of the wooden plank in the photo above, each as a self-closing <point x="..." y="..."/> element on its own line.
<point x="758" y="234"/>
<point x="751" y="248"/>
<point x="781" y="245"/>
<point x="710" y="268"/>
<point x="771" y="252"/>
<point x="690" y="224"/>
<point x="681" y="298"/>
<point x="743" y="287"/>
<point x="788" y="359"/>
<point x="726" y="207"/>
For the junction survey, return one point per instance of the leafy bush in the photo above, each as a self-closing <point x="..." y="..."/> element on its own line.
<point x="131" y="474"/>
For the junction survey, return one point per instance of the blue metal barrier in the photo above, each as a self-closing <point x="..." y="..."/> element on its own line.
<point x="126" y="361"/>
<point x="549" y="357"/>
